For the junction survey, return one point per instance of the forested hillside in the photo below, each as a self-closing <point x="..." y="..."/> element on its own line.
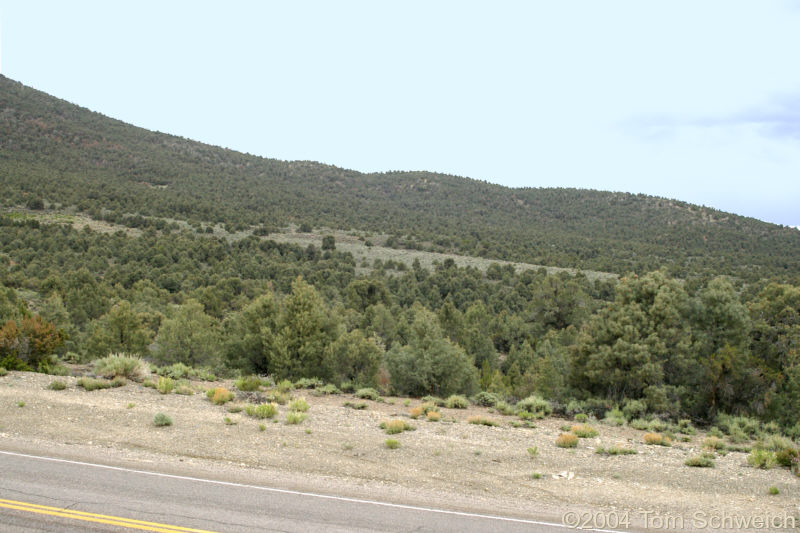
<point x="706" y="323"/>
<point x="58" y="153"/>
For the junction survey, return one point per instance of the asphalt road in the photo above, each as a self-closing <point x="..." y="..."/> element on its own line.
<point x="55" y="495"/>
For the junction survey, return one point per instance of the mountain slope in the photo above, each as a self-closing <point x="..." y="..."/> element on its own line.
<point x="67" y="155"/>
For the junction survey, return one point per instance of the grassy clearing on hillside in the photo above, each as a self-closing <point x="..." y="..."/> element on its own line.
<point x="345" y="242"/>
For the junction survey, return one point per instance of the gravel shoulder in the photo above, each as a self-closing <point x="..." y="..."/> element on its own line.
<point x="448" y="464"/>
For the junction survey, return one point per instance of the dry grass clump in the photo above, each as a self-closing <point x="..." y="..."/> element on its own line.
<point x="415" y="412"/>
<point x="184" y="389"/>
<point x="584" y="431"/>
<point x="714" y="443"/>
<point x="392" y="427"/>
<point x="567" y="440"/>
<point x="761" y="458"/>
<point x="300" y="405"/>
<point x="219" y="395"/>
<point x="293" y="417"/>
<point x="433" y="416"/>
<point x="481" y="421"/>
<point x="656" y="439"/>
<point x="165" y="385"/>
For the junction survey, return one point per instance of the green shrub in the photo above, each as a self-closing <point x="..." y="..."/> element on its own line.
<point x="486" y="399"/>
<point x="614" y="450"/>
<point x="20" y="403"/>
<point x="368" y="393"/>
<point x="263" y="410"/>
<point x="165" y="385"/>
<point x="739" y="448"/>
<point x="685" y="427"/>
<point x="639" y="423"/>
<point x="330" y="388"/>
<point x="228" y="421"/>
<point x="533" y="451"/>
<point x="3" y="371"/>
<point x="534" y="406"/>
<point x="299" y="405"/>
<point x="456" y="401"/>
<point x="91" y="384"/>
<point x="294" y="417"/>
<point x="774" y="443"/>
<point x="121" y="365"/>
<point x="234" y="408"/>
<point x="392" y="427"/>
<point x="738" y="428"/>
<point x="57" y="385"/>
<point x="262" y="427"/>
<point x="581" y="417"/>
<point x="584" y="431"/>
<point x="536" y="475"/>
<point x="57" y="369"/>
<point x="760" y="458"/>
<point x="657" y="426"/>
<point x="182" y="371"/>
<point x="357" y="406"/>
<point x="785" y="456"/>
<point x="435" y="400"/>
<point x="481" y="420"/>
<point x="285" y="386"/>
<point x="567" y="440"/>
<point x="248" y="383"/>
<point x="392" y="444"/>
<point x="161" y="420"/>
<point x="347" y="386"/>
<point x="308" y="383"/>
<point x="773" y="491"/>
<point x="119" y="381"/>
<point x="504" y="408"/>
<point x="614" y="417"/>
<point x="150" y="384"/>
<point x="700" y="461"/>
<point x="634" y="409"/>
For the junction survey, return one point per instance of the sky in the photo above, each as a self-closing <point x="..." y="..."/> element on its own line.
<point x="698" y="101"/>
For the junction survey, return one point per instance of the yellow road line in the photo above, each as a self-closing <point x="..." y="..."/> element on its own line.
<point x="99" y="518"/>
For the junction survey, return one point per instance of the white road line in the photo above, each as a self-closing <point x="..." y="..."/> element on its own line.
<point x="307" y="494"/>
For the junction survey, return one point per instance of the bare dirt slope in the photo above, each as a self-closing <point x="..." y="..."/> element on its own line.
<point x="341" y="450"/>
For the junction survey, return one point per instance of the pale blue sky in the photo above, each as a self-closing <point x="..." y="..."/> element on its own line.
<point x="695" y="100"/>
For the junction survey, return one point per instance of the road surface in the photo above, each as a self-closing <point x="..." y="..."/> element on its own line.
<point x="55" y="495"/>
